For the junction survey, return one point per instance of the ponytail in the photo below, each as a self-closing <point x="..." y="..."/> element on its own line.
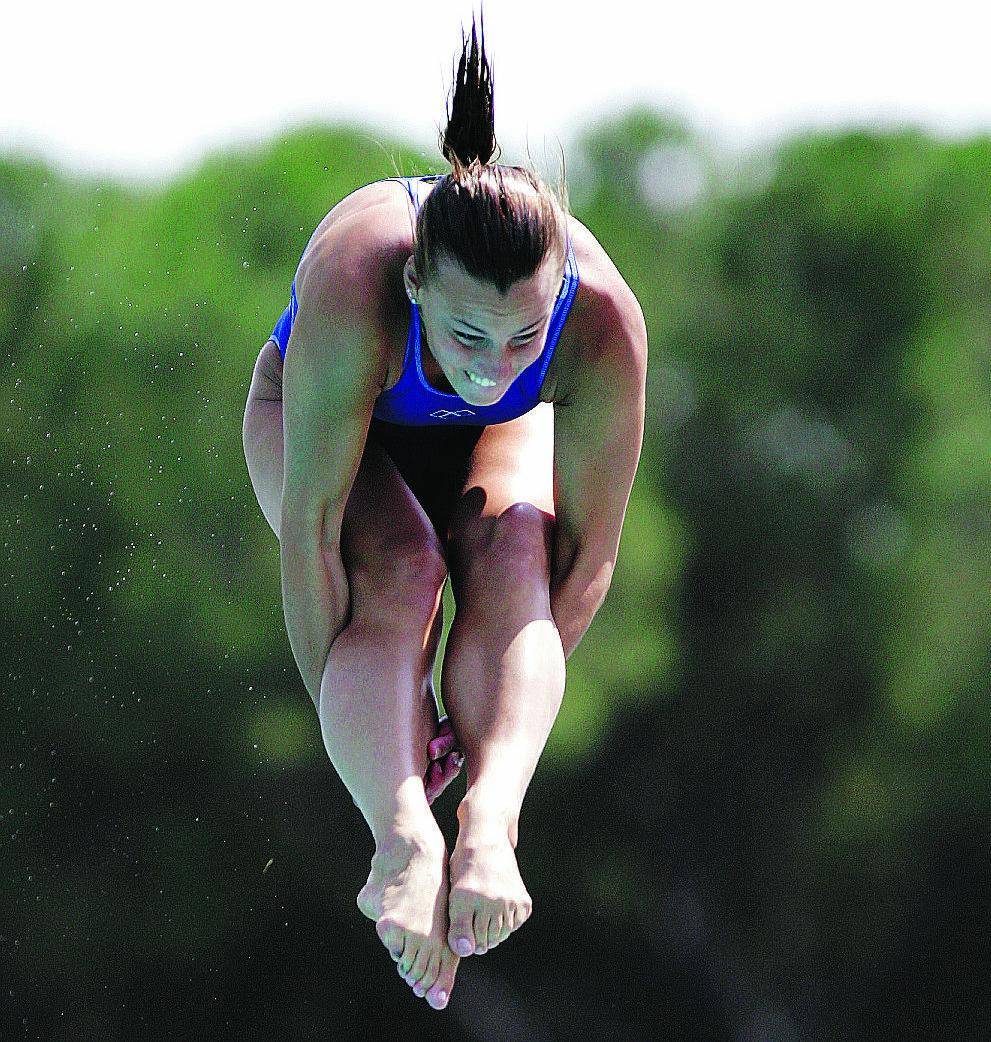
<point x="498" y="222"/>
<point x="470" y="133"/>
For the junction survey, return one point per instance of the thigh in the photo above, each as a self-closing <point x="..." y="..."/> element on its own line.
<point x="413" y="474"/>
<point x="393" y="558"/>
<point x="509" y="483"/>
<point x="388" y="543"/>
<point x="433" y="462"/>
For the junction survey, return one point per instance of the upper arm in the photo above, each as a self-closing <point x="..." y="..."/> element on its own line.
<point x="598" y="435"/>
<point x="333" y="371"/>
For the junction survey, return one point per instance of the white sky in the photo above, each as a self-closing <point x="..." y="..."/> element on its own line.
<point x="127" y="89"/>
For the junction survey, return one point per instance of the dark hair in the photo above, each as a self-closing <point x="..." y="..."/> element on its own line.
<point x="498" y="222"/>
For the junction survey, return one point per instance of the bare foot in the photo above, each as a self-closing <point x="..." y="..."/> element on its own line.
<point x="406" y="896"/>
<point x="445" y="760"/>
<point x="488" y="900"/>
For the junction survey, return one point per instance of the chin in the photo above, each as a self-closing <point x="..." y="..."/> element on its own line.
<point x="481" y="395"/>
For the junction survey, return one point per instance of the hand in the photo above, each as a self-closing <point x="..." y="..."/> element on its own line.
<point x="445" y="760"/>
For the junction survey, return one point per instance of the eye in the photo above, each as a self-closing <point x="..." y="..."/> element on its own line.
<point x="467" y="340"/>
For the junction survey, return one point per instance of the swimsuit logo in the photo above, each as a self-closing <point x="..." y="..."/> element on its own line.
<point x="446" y="414"/>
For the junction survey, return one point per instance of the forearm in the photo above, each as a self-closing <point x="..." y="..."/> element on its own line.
<point x="316" y="600"/>
<point x="574" y="601"/>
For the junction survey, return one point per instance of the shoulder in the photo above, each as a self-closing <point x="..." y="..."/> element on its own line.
<point x="354" y="250"/>
<point x="352" y="268"/>
<point x="609" y="335"/>
<point x="351" y="275"/>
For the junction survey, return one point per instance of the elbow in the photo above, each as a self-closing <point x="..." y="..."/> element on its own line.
<point x="600" y="583"/>
<point x="565" y="553"/>
<point x="592" y="583"/>
<point x="585" y="583"/>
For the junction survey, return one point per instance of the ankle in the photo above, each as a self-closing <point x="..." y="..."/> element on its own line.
<point x="396" y="845"/>
<point x="480" y="816"/>
<point x="405" y="819"/>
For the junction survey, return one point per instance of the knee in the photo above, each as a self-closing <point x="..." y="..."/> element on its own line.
<point x="512" y="553"/>
<point x="400" y="586"/>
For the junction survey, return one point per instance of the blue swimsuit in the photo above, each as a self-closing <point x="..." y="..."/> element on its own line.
<point x="412" y="402"/>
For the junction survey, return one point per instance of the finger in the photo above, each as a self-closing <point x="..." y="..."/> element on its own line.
<point x="433" y="786"/>
<point x="440" y="746"/>
<point x="448" y="770"/>
<point x="444" y="730"/>
<point x="435" y="774"/>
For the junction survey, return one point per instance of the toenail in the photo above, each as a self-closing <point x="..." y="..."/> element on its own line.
<point x="442" y="996"/>
<point x="464" y="946"/>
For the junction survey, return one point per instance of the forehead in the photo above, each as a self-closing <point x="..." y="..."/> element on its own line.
<point x="463" y="294"/>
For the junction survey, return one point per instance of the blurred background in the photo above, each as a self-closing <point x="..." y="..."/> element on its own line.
<point x="762" y="815"/>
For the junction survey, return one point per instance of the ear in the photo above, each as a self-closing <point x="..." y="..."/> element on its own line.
<point x="411" y="279"/>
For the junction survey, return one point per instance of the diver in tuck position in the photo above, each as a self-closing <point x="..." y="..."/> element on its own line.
<point x="444" y="394"/>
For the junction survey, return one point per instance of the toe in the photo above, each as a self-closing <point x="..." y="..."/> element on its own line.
<point x="419" y="966"/>
<point x="426" y="982"/>
<point x="392" y="936"/>
<point x="481" y="931"/>
<point x="520" y="915"/>
<point x="440" y="994"/>
<point x="460" y="936"/>
<point x="410" y="952"/>
<point x="495" y="930"/>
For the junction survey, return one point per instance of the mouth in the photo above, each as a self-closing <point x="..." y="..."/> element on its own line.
<point x="479" y="381"/>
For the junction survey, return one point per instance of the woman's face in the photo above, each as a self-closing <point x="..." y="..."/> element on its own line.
<point x="472" y="328"/>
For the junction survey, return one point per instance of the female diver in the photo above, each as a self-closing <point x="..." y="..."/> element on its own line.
<point x="499" y="445"/>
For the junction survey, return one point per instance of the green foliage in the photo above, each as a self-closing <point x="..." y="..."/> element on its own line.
<point x="784" y="697"/>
